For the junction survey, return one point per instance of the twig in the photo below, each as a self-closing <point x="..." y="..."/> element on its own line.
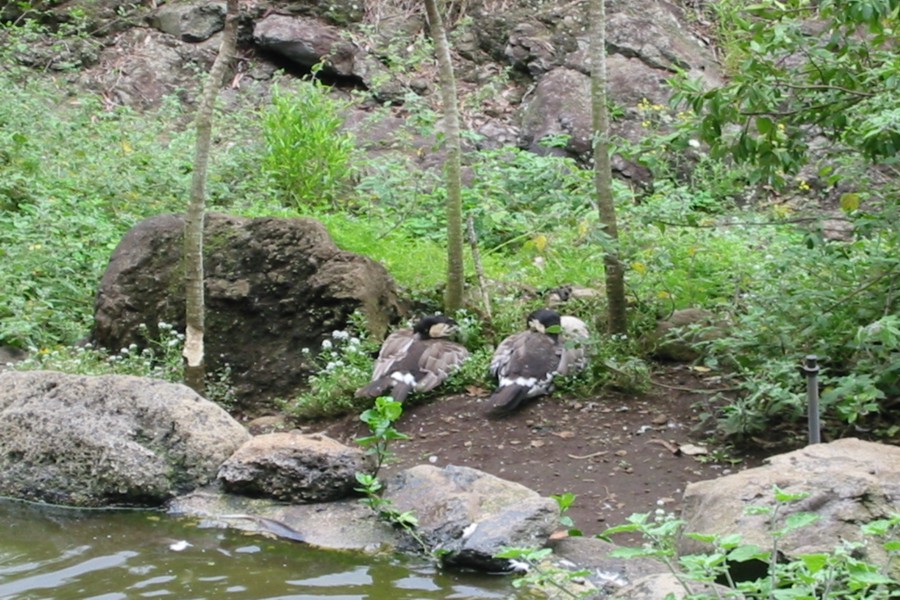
<point x="479" y="269"/>
<point x="694" y="390"/>
<point x="592" y="455"/>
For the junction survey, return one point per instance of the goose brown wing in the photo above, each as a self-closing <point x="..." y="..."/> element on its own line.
<point x="504" y="353"/>
<point x="395" y="348"/>
<point x="439" y="359"/>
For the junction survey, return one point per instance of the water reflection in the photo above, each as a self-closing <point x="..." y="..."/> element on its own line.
<point x="61" y="554"/>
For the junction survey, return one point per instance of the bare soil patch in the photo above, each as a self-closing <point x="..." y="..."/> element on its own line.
<point x="618" y="453"/>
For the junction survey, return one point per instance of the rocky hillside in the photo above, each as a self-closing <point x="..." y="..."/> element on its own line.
<point x="522" y="65"/>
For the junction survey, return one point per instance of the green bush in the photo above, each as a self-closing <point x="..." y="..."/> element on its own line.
<point x="308" y="157"/>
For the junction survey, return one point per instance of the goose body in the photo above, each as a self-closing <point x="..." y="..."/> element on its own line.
<point x="526" y="363"/>
<point x="415" y="360"/>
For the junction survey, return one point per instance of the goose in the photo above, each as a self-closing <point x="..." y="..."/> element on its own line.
<point x="415" y="360"/>
<point x="526" y="363"/>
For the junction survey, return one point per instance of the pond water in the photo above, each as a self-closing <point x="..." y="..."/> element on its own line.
<point x="61" y="554"/>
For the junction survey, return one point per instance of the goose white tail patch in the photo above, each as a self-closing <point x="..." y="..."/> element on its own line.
<point x="521" y="381"/>
<point x="406" y="378"/>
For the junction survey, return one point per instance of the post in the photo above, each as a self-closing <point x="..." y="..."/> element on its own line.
<point x="811" y="370"/>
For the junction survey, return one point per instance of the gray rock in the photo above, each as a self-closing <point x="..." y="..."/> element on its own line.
<point x="340" y="525"/>
<point x="607" y="573"/>
<point x="307" y="42"/>
<point x="273" y="287"/>
<point x="144" y="66"/>
<point x="560" y="105"/>
<point x="294" y="467"/>
<point x="107" y="441"/>
<point x="850" y="482"/>
<point x="471" y="515"/>
<point x="191" y="22"/>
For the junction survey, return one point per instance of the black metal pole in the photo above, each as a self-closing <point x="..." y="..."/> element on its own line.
<point x="811" y="369"/>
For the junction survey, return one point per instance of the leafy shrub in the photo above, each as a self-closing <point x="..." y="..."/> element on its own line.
<point x="308" y="157"/>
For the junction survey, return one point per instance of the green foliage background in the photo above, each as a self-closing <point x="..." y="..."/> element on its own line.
<point x="75" y="175"/>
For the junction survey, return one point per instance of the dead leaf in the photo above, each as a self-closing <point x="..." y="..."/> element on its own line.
<point x="559" y="535"/>
<point x="660" y="420"/>
<point x="566" y="435"/>
<point x="700" y="369"/>
<point x="537" y="443"/>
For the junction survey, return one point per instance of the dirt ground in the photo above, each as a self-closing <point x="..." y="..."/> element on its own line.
<point x="618" y="453"/>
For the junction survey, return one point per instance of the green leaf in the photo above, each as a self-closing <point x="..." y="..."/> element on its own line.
<point x="787" y="497"/>
<point x="748" y="552"/>
<point x="626" y="552"/>
<point x="814" y="562"/>
<point x="764" y="125"/>
<point x="850" y="202"/>
<point x="798" y="520"/>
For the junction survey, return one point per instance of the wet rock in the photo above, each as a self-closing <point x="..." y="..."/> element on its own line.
<point x="294" y="467"/>
<point x="471" y="515"/>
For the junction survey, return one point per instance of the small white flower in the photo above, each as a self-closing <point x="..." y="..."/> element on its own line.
<point x="340" y="335"/>
<point x="354" y="341"/>
<point x="693" y="143"/>
<point x="326" y="345"/>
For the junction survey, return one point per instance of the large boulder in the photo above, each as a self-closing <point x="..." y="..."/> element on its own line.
<point x="293" y="467"/>
<point x="273" y="288"/>
<point x="108" y="441"/>
<point x="472" y="515"/>
<point x="850" y="482"/>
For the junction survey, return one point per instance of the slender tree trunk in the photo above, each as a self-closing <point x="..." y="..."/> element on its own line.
<point x="195" y="309"/>
<point x="615" y="273"/>
<point x="454" y="296"/>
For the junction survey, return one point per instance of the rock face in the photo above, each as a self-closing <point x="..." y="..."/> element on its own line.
<point x="107" y="441"/>
<point x="293" y="467"/>
<point x="472" y="515"/>
<point x="273" y="287"/>
<point x="542" y="43"/>
<point x="850" y="482"/>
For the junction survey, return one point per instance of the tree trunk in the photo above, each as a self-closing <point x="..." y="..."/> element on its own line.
<point x="454" y="295"/>
<point x="615" y="273"/>
<point x="195" y="309"/>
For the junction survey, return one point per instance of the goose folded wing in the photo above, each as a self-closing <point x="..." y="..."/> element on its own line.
<point x="504" y="353"/>
<point x="395" y="348"/>
<point x="437" y="362"/>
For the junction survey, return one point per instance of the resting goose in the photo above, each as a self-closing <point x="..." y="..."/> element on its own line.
<point x="415" y="360"/>
<point x="526" y="363"/>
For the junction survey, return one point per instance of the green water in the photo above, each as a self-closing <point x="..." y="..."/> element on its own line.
<point x="61" y="554"/>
